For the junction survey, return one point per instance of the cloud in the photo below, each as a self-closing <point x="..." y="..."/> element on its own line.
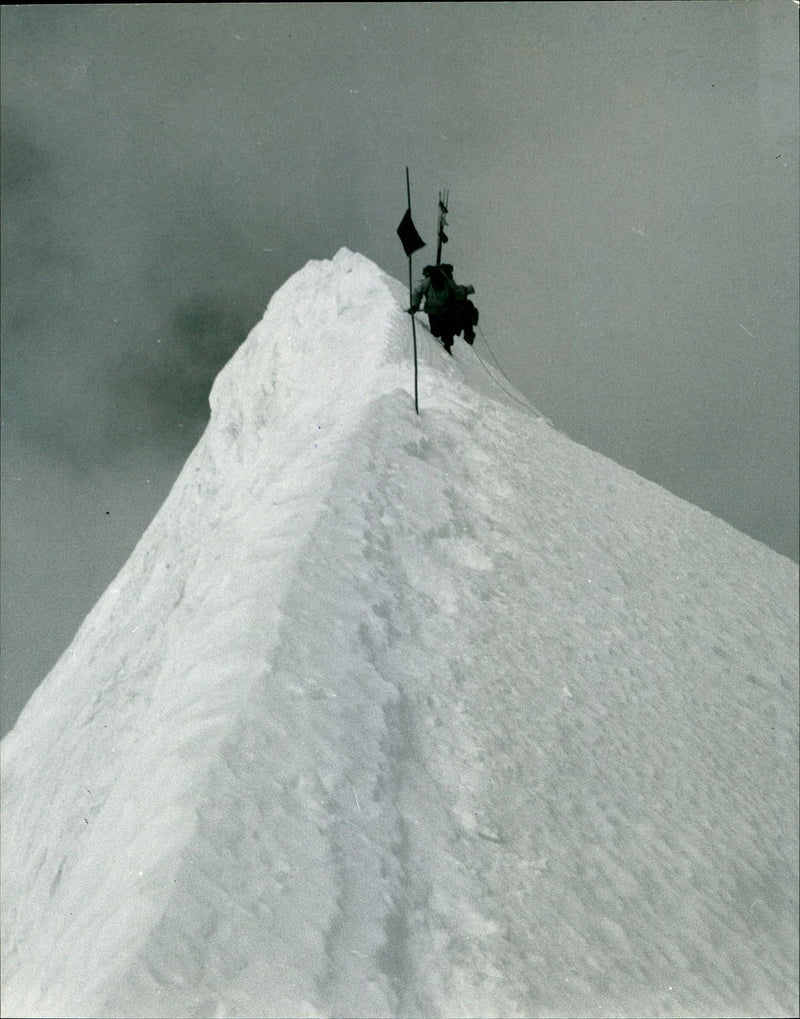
<point x="23" y="161"/>
<point x="162" y="397"/>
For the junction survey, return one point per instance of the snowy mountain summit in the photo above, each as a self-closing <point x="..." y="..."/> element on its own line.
<point x="399" y="715"/>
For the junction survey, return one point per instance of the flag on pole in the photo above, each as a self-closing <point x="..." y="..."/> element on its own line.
<point x="408" y="235"/>
<point x="443" y="216"/>
<point x="441" y="236"/>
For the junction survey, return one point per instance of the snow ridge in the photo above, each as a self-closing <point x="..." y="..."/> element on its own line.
<point x="398" y="715"/>
<point x="205" y="587"/>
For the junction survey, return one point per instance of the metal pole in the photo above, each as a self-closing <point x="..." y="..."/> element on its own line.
<point x="410" y="298"/>
<point x="414" y="334"/>
<point x="439" y="233"/>
<point x="443" y="200"/>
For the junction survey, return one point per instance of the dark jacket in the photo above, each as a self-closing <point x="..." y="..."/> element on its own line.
<point x="439" y="291"/>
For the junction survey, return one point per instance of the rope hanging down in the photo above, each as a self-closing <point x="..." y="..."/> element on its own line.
<point x="516" y="399"/>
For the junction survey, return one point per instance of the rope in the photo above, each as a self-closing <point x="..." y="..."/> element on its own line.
<point x="500" y="367"/>
<point x="496" y="381"/>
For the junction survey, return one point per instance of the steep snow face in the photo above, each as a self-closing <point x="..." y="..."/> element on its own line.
<point x="392" y="714"/>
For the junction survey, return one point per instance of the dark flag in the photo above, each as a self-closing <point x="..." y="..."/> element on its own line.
<point x="408" y="235"/>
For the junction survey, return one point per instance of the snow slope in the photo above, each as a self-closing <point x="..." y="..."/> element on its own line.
<point x="388" y="714"/>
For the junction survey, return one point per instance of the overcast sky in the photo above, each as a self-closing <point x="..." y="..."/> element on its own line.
<point x="623" y="182"/>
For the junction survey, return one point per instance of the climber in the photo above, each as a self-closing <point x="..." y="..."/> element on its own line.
<point x="446" y="305"/>
<point x="466" y="312"/>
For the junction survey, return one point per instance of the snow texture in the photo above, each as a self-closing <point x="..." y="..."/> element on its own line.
<point x="399" y="715"/>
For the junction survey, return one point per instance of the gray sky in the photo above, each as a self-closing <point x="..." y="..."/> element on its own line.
<point x="623" y="181"/>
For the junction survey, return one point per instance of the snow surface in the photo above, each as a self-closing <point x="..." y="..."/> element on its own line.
<point x="387" y="714"/>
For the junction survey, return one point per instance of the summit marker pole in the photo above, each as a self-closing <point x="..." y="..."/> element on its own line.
<point x="441" y="237"/>
<point x="410" y="299"/>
